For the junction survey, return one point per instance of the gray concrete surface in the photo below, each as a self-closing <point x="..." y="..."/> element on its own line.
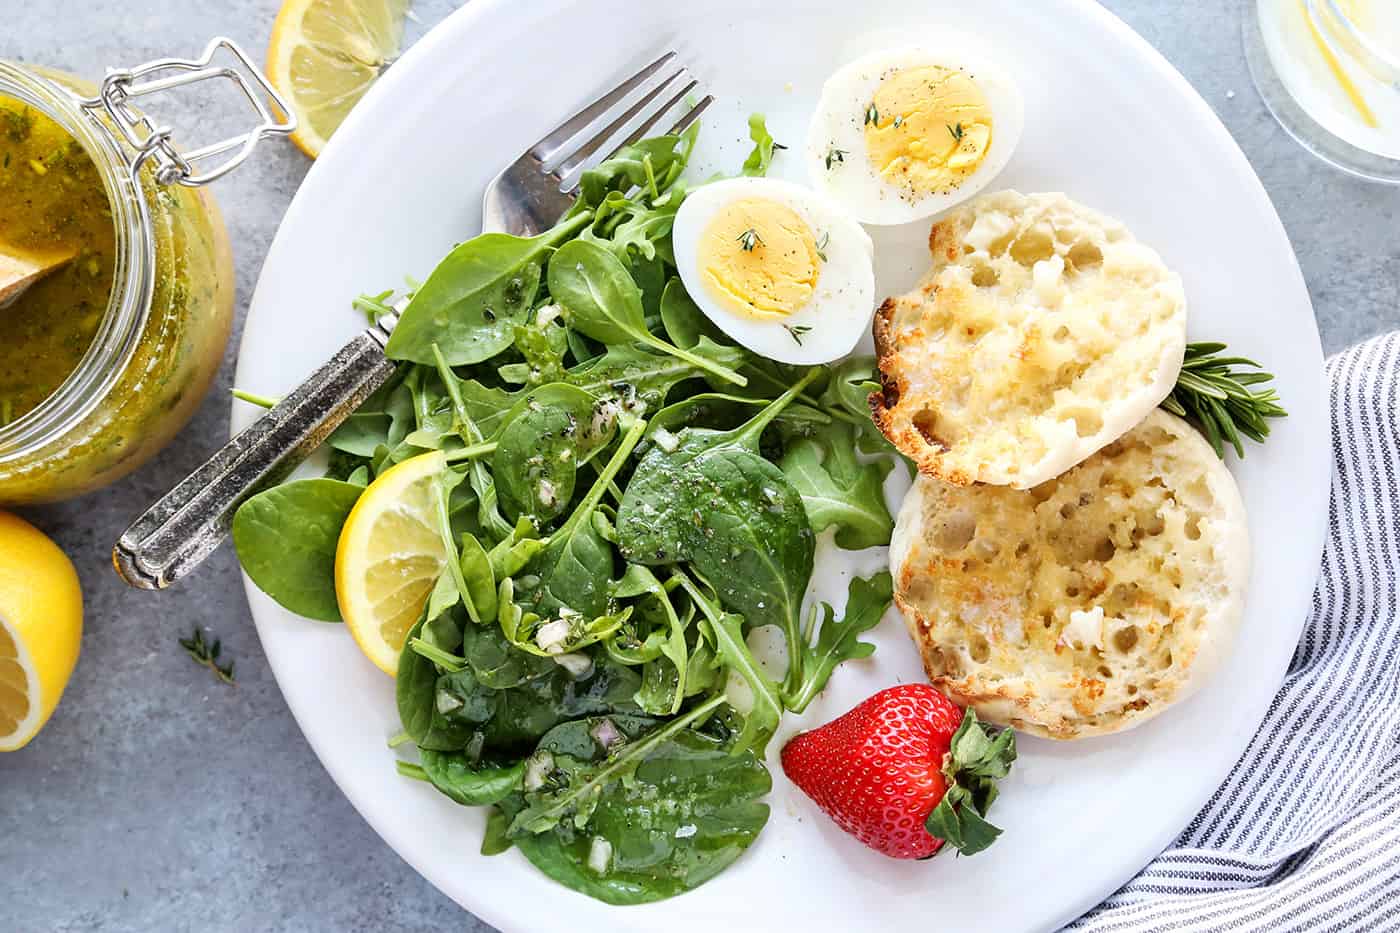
<point x="159" y="799"/>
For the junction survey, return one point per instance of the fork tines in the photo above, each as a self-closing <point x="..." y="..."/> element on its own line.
<point x="611" y="122"/>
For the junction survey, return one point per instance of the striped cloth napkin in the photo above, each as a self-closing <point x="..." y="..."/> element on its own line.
<point x="1305" y="833"/>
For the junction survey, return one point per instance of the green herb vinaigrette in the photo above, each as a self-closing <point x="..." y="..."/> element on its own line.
<point x="51" y="200"/>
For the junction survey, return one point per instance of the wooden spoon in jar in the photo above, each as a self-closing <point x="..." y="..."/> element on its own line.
<point x="21" y="268"/>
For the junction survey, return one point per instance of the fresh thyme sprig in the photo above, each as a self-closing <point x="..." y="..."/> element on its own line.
<point x="956" y="132"/>
<point x="797" y="330"/>
<point x="872" y="115"/>
<point x="1215" y="396"/>
<point x="822" y="244"/>
<point x="749" y="239"/>
<point x="834" y="156"/>
<point x="206" y="654"/>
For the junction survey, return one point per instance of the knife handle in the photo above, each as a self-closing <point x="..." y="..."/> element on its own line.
<point x="177" y="533"/>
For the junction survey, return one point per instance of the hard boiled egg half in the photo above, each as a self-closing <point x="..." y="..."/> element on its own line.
<point x="903" y="134"/>
<point x="777" y="267"/>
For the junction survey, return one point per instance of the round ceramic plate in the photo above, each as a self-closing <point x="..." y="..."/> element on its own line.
<point x="1109" y="122"/>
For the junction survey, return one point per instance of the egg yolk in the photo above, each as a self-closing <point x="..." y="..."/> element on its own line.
<point x="759" y="258"/>
<point x="927" y="129"/>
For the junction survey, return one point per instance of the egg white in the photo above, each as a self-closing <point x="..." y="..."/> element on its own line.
<point x="840" y="309"/>
<point x="839" y="124"/>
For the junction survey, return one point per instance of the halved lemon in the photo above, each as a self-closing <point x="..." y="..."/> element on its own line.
<point x="41" y="624"/>
<point x="325" y="54"/>
<point x="389" y="557"/>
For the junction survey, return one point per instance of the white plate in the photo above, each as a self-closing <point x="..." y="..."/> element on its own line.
<point x="1108" y="121"/>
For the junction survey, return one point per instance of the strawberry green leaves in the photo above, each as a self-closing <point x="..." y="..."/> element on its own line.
<point x="976" y="760"/>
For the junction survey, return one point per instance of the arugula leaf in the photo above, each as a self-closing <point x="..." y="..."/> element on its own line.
<point x="630" y="369"/>
<point x="848" y="390"/>
<point x="543" y="345"/>
<point x="727" y="631"/>
<point x="286" y="538"/>
<point x="640" y="581"/>
<point x="474" y="297"/>
<point x="837" y="489"/>
<point x="838" y="639"/>
<point x="762" y="155"/>
<point x="601" y="300"/>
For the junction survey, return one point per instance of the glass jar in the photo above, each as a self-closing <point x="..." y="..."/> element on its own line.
<point x="156" y="348"/>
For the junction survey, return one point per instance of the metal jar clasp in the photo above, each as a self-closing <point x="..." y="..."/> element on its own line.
<point x="152" y="141"/>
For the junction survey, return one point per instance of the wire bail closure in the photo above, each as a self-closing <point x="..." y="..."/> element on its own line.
<point x="153" y="141"/>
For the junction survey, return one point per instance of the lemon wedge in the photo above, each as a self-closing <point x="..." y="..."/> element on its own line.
<point x="325" y="54"/>
<point x="41" y="624"/>
<point x="389" y="557"/>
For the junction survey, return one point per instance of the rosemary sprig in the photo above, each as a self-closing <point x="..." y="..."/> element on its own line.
<point x="1215" y="396"/>
<point x="206" y="654"/>
<point x="749" y="239"/>
<point x="797" y="330"/>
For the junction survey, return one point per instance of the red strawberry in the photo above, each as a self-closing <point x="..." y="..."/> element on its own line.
<point x="905" y="771"/>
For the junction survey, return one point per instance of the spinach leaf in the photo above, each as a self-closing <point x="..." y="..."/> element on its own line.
<point x="600" y="299"/>
<point x="286" y="538"/>
<point x="495" y="661"/>
<point x="575" y="569"/>
<point x="526" y="712"/>
<point x="837" y="489"/>
<point x="414" y="685"/>
<point x="361" y="433"/>
<point x="683" y="320"/>
<point x="763" y="145"/>
<point x="838" y="639"/>
<point x="470" y="784"/>
<point x="660" y="815"/>
<point x="712" y="500"/>
<point x="558" y="427"/>
<point x="474" y="297"/>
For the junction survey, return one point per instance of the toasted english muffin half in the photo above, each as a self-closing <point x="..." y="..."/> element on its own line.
<point x="1087" y="604"/>
<point x="1043" y="331"/>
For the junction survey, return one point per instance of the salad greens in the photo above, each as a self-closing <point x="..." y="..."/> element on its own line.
<point x="627" y="496"/>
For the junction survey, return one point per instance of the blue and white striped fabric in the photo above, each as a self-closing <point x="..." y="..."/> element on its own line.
<point x="1305" y="833"/>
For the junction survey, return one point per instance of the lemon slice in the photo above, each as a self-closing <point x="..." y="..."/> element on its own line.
<point x="41" y="624"/>
<point x="325" y="54"/>
<point x="389" y="557"/>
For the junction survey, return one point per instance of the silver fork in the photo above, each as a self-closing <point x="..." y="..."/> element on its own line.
<point x="177" y="533"/>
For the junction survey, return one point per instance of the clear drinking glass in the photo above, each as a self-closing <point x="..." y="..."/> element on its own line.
<point x="1330" y="72"/>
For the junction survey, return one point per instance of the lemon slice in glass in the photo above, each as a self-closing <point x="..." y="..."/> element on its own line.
<point x="41" y="624"/>
<point x="325" y="54"/>
<point x="389" y="557"/>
